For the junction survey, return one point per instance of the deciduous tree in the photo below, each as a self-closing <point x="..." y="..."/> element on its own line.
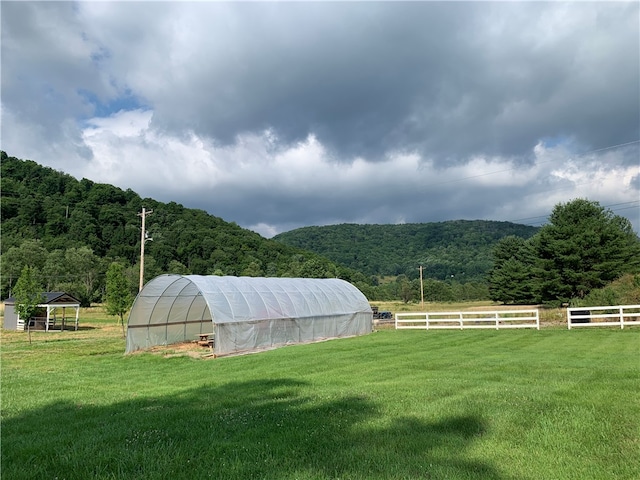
<point x="28" y="295"/>
<point x="118" y="295"/>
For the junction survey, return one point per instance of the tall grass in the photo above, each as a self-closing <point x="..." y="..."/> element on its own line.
<point x="548" y="404"/>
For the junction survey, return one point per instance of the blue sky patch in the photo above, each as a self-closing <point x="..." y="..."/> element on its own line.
<point x="102" y="108"/>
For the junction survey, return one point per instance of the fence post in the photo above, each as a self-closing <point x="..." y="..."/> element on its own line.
<point x="621" y="319"/>
<point x="497" y="321"/>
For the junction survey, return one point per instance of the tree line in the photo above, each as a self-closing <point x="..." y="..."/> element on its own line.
<point x="70" y="231"/>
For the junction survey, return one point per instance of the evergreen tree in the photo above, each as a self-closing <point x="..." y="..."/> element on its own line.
<point x="511" y="279"/>
<point x="585" y="246"/>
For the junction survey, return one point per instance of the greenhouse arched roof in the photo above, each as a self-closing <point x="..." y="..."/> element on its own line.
<point x="245" y="313"/>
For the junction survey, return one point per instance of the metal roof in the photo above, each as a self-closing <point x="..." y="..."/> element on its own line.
<point x="51" y="297"/>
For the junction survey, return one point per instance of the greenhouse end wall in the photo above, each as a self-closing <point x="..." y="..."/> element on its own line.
<point x="246" y="314"/>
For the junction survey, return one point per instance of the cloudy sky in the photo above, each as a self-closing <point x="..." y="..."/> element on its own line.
<point x="282" y="115"/>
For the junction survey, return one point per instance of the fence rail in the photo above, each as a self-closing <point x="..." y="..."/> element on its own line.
<point x="468" y="320"/>
<point x="608" y="316"/>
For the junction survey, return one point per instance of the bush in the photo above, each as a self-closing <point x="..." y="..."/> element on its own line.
<point x="624" y="291"/>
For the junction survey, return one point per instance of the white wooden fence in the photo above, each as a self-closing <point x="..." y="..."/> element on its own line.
<point x="464" y="320"/>
<point x="611" y="316"/>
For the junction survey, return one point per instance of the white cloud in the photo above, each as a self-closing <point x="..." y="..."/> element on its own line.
<point x="278" y="181"/>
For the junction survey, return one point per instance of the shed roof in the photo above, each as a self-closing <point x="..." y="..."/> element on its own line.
<point x="51" y="298"/>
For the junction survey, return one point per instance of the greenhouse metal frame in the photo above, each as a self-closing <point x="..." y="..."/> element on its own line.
<point x="245" y="314"/>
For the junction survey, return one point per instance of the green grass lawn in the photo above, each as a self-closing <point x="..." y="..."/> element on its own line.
<point x="548" y="404"/>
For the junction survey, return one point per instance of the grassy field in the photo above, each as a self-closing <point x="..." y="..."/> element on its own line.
<point x="548" y="404"/>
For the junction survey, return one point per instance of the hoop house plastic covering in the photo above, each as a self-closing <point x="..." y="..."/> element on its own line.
<point x="245" y="313"/>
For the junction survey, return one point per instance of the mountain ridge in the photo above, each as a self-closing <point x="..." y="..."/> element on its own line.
<point x="63" y="215"/>
<point x="458" y="248"/>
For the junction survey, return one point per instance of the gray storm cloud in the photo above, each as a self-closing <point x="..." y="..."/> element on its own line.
<point x="448" y="80"/>
<point x="261" y="109"/>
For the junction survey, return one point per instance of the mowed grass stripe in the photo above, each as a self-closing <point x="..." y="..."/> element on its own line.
<point x="548" y="404"/>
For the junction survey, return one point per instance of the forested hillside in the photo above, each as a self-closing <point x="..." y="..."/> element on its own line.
<point x="456" y="249"/>
<point x="70" y="230"/>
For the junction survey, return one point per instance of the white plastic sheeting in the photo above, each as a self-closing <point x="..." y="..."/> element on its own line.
<point x="245" y="313"/>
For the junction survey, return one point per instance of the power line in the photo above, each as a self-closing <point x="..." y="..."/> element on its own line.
<point x="624" y="208"/>
<point x="545" y="217"/>
<point x="612" y="146"/>
<point x="623" y="203"/>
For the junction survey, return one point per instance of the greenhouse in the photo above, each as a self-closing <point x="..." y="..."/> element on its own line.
<point x="245" y="314"/>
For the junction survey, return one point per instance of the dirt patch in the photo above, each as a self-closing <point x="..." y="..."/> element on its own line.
<point x="184" y="349"/>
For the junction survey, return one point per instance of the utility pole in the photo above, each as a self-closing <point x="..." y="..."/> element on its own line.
<point x="421" y="290"/>
<point x="143" y="238"/>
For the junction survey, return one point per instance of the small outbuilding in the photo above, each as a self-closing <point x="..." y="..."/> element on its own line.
<point x="47" y="316"/>
<point x="245" y="314"/>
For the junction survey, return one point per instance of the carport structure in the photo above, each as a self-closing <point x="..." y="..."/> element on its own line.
<point x="47" y="315"/>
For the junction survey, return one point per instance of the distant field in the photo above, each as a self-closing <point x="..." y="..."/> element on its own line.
<point x="517" y="405"/>
<point x="548" y="316"/>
